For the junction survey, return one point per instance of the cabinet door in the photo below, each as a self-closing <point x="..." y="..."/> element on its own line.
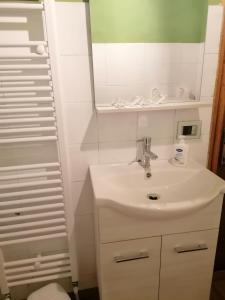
<point x="187" y="265"/>
<point x="129" y="270"/>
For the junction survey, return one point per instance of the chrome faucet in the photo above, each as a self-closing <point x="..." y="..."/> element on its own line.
<point x="145" y="155"/>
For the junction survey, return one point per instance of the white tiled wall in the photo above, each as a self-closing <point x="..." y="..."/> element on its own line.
<point x="109" y="138"/>
<point x="215" y="17"/>
<point x="81" y="127"/>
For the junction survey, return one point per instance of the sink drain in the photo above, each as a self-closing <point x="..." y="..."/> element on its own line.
<point x="153" y="196"/>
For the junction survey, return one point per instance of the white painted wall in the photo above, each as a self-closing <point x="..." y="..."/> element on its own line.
<point x="93" y="139"/>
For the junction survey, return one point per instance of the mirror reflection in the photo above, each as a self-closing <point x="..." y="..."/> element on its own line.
<point x="148" y="52"/>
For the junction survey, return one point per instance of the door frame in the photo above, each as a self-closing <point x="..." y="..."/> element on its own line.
<point x="218" y="112"/>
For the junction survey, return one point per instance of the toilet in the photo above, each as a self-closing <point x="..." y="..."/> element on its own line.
<point x="52" y="291"/>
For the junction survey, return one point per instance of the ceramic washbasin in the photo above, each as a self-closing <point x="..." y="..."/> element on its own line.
<point x="178" y="190"/>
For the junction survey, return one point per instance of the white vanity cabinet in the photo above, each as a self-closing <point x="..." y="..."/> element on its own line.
<point x="170" y="259"/>
<point x="156" y="248"/>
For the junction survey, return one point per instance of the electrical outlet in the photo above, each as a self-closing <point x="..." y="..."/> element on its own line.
<point x="190" y="129"/>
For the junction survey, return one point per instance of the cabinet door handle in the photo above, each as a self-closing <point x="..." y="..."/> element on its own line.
<point x="135" y="256"/>
<point x="199" y="247"/>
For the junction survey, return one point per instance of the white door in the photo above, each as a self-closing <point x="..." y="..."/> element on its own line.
<point x="129" y="270"/>
<point x="187" y="265"/>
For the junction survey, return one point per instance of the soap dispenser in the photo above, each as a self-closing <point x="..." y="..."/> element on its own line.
<point x="181" y="152"/>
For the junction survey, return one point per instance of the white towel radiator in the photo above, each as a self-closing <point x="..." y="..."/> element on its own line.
<point x="34" y="195"/>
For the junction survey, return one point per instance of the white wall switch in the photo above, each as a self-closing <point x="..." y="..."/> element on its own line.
<point x="190" y="129"/>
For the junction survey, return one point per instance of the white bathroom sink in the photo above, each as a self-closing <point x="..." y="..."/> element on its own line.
<point x="179" y="190"/>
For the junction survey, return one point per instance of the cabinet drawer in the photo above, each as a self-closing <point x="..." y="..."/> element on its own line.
<point x="129" y="270"/>
<point x="187" y="265"/>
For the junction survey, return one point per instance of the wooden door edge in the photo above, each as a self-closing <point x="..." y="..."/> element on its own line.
<point x="218" y="112"/>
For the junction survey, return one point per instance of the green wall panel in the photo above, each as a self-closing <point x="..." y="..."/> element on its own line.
<point x="148" y="21"/>
<point x="214" y="2"/>
<point x="69" y="0"/>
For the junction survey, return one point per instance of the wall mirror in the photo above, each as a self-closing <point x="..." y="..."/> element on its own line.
<point x="147" y="52"/>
